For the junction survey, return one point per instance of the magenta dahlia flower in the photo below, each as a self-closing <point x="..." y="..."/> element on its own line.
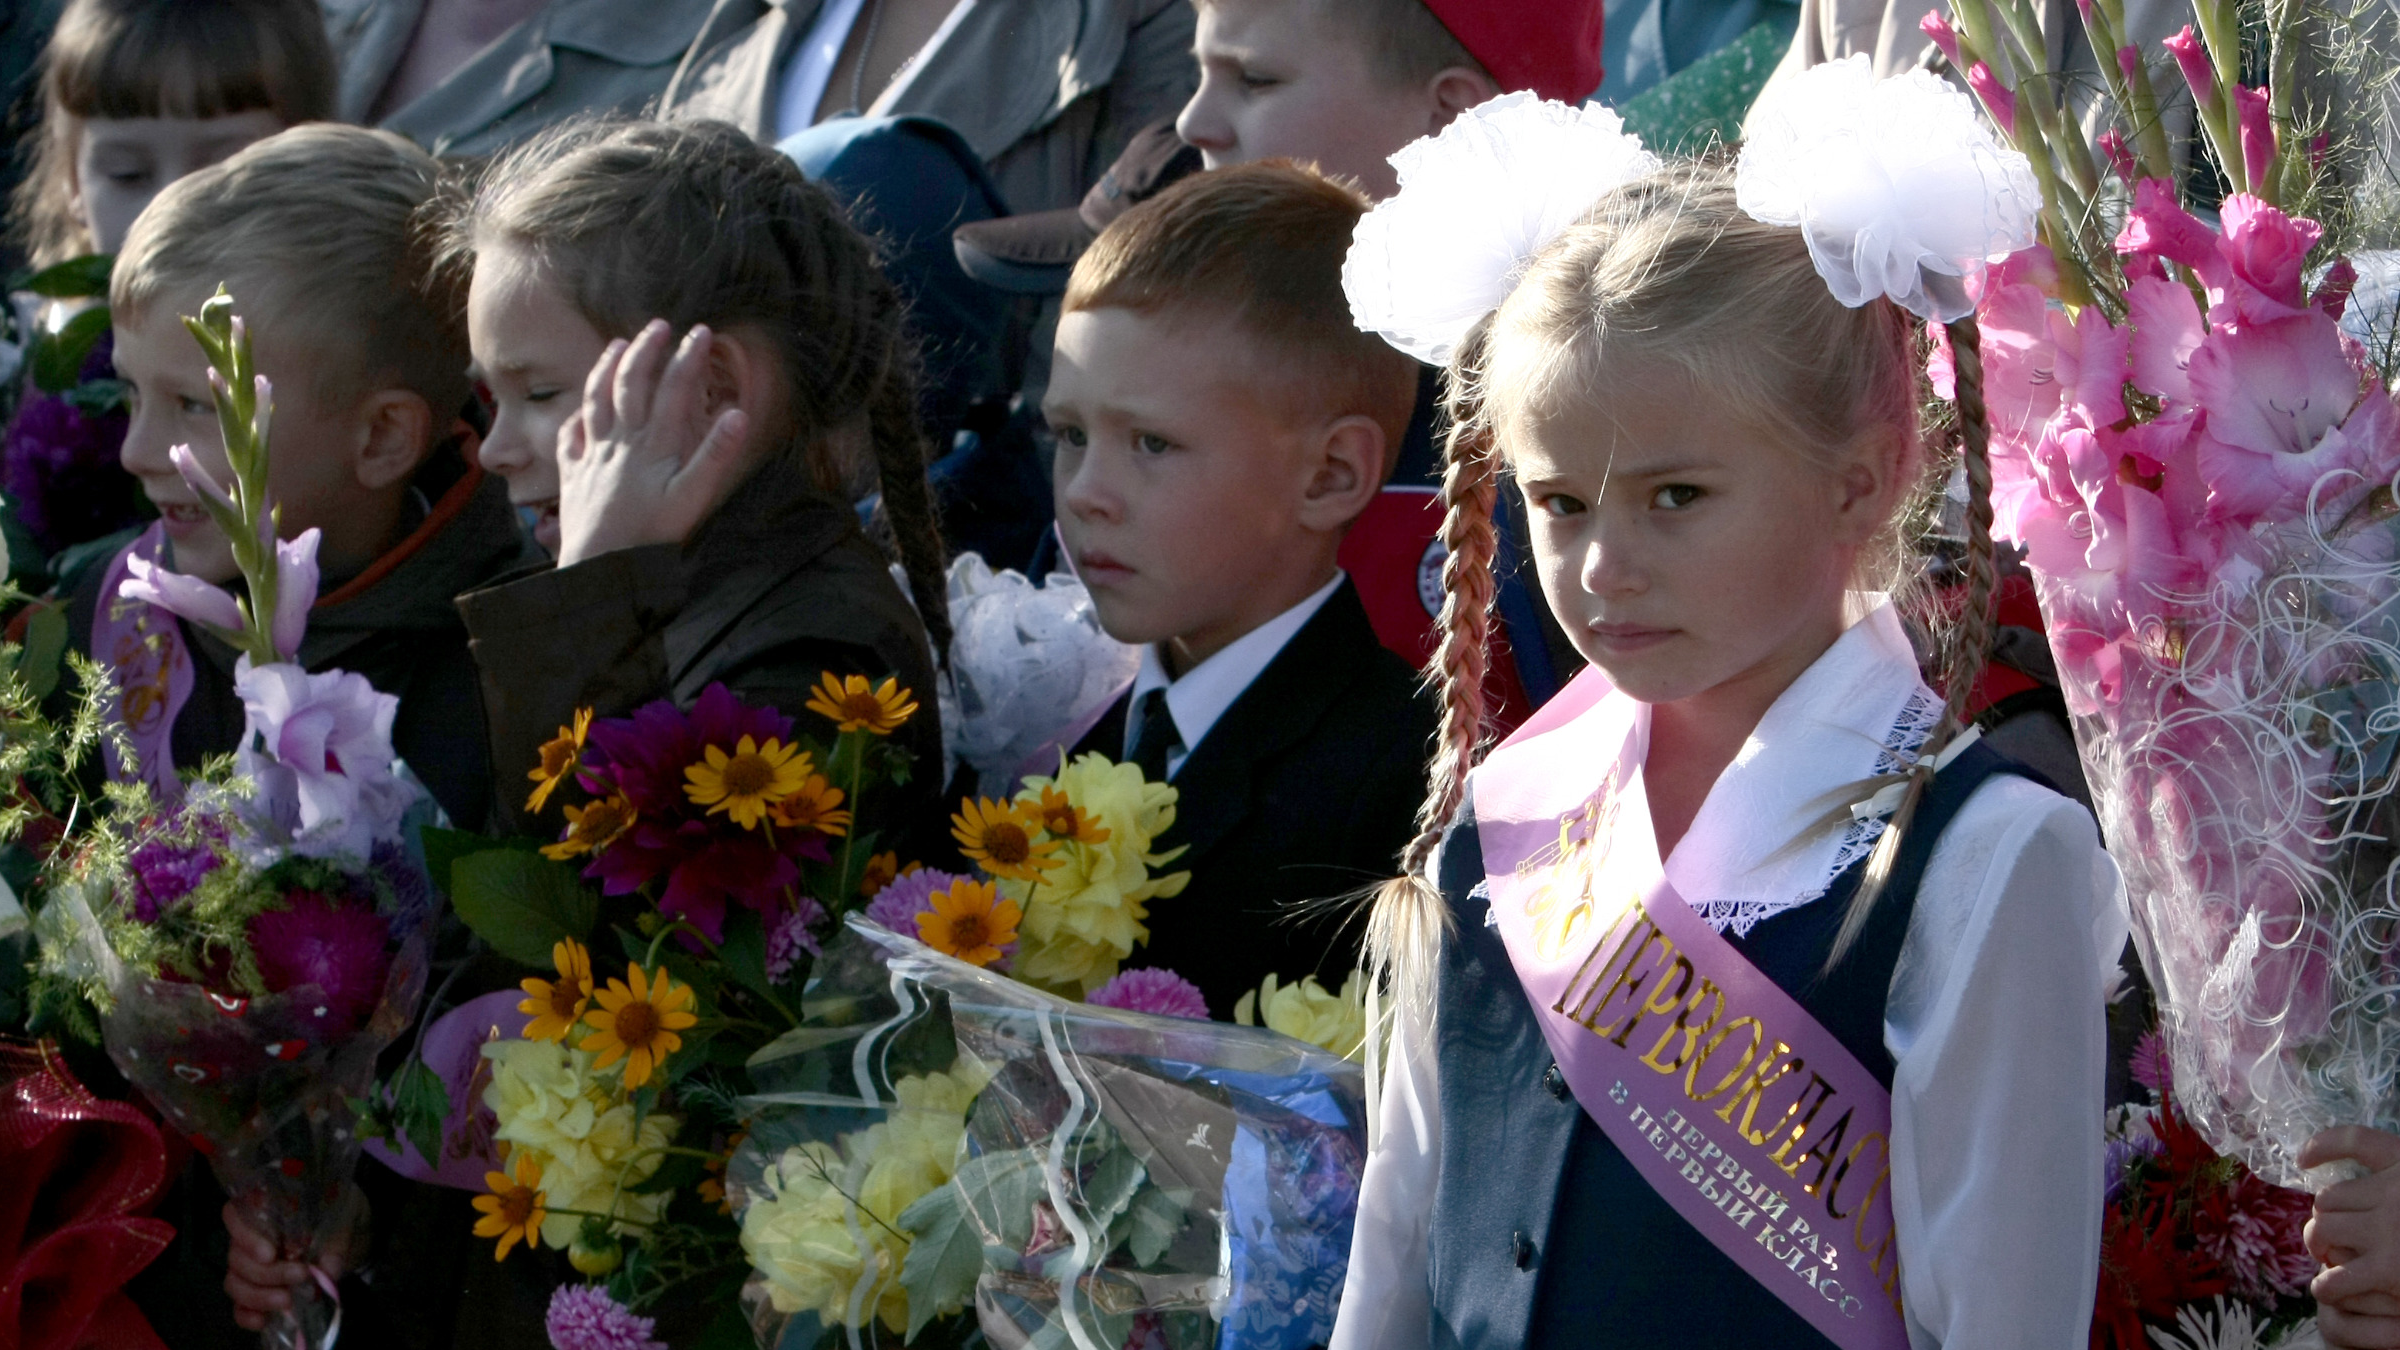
<point x="1161" y="993"/>
<point x="584" y="1317"/>
<point x="343" y="947"/>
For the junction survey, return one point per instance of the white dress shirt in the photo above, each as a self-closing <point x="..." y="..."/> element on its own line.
<point x="1204" y="692"/>
<point x="1995" y="1020"/>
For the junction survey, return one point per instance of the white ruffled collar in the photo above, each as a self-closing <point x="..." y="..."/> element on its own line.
<point x="1860" y="711"/>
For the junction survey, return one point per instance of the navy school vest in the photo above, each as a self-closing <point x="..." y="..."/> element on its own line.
<point x="1543" y="1234"/>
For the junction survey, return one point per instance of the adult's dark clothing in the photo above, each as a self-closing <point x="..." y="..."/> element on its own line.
<point x="1306" y="789"/>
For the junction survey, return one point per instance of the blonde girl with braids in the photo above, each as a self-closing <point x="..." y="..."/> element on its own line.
<point x="1710" y="410"/>
<point x="696" y="372"/>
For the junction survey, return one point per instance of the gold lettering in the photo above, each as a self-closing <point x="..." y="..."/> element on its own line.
<point x="1753" y="1090"/>
<point x="1842" y="1173"/>
<point x="1823" y="1149"/>
<point x="1660" y="1000"/>
<point x="1691" y="1034"/>
<point x="1585" y="968"/>
<point x="1691" y="1088"/>
<point x="1626" y="979"/>
<point x="1824" y="1091"/>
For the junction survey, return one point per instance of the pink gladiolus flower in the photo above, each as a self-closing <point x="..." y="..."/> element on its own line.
<point x="295" y="590"/>
<point x="2264" y="251"/>
<point x="2285" y="408"/>
<point x="2158" y="226"/>
<point x="2258" y="132"/>
<point x="2112" y="144"/>
<point x="185" y="597"/>
<point x="1938" y="28"/>
<point x="2129" y="60"/>
<point x="2167" y="329"/>
<point x="2333" y="292"/>
<point x="198" y="478"/>
<point x="1998" y="99"/>
<point x="2197" y="72"/>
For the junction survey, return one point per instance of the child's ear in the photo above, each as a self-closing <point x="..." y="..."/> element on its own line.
<point x="741" y="374"/>
<point x="398" y="430"/>
<point x="1870" y="484"/>
<point x="1456" y="89"/>
<point x="1345" y="472"/>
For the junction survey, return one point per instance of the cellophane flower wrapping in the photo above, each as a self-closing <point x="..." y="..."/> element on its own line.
<point x="262" y="1085"/>
<point x="2205" y="491"/>
<point x="939" y="1150"/>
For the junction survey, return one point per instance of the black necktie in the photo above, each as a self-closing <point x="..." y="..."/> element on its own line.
<point x="1154" y="735"/>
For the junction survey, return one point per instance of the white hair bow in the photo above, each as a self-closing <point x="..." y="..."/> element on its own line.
<point x="1897" y="184"/>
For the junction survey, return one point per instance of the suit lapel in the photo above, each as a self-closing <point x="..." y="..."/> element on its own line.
<point x="1279" y="708"/>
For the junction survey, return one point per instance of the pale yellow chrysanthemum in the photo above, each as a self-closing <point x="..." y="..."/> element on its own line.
<point x="553" y="1104"/>
<point x="1306" y="1011"/>
<point x="1087" y="915"/>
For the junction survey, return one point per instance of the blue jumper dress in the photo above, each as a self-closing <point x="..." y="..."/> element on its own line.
<point x="1543" y="1234"/>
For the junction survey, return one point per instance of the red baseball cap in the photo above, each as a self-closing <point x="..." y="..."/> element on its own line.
<point x="1551" y="47"/>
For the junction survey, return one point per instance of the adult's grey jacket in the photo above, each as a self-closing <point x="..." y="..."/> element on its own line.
<point x="1047" y="92"/>
<point x="571" y="56"/>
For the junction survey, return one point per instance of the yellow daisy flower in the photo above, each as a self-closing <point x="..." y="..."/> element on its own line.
<point x="854" y="705"/>
<point x="747" y="782"/>
<point x="882" y="870"/>
<point x="515" y="1209"/>
<point x="561" y="756"/>
<point x="636" y="1022"/>
<point x="593" y="828"/>
<point x="557" y="1005"/>
<point x="970" y="921"/>
<point x="812" y="808"/>
<point x="712" y="1186"/>
<point x="1001" y="837"/>
<point x="1064" y="821"/>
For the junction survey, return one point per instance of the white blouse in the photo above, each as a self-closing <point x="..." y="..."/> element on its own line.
<point x="1995" y="1020"/>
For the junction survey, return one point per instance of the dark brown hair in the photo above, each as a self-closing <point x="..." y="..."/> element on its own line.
<point x="695" y="222"/>
<point x="1261" y="245"/>
<point x="319" y="230"/>
<point x="162" y="58"/>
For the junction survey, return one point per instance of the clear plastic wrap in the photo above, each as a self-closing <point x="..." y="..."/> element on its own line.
<point x="939" y="1150"/>
<point x="1030" y="669"/>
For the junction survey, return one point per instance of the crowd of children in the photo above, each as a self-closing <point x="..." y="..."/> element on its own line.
<point x="631" y="407"/>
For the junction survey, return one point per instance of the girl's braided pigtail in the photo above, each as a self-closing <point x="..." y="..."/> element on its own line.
<point x="1970" y="646"/>
<point x="899" y="447"/>
<point x="1405" y="929"/>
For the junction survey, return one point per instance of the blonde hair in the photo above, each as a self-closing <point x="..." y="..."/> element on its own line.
<point x="1670" y="271"/>
<point x="695" y="222"/>
<point x="161" y="58"/>
<point x="318" y="230"/>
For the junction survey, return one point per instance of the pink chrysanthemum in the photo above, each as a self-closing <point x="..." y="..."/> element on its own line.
<point x="341" y="947"/>
<point x="1162" y="993"/>
<point x="584" y="1317"/>
<point x="897" y="905"/>
<point x="2259" y="1241"/>
<point x="793" y="934"/>
<point x="2149" y="1064"/>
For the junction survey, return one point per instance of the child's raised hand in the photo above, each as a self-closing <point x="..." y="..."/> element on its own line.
<point x="2356" y="1234"/>
<point x="261" y="1283"/>
<point x="643" y="462"/>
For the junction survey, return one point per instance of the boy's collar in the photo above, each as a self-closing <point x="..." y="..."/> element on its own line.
<point x="1200" y="696"/>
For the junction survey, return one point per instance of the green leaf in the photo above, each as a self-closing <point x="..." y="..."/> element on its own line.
<point x="98" y="398"/>
<point x="744" y="952"/>
<point x="728" y="1330"/>
<point x="680" y="1170"/>
<point x="1151" y="1222"/>
<point x="58" y="357"/>
<point x="420" y="1104"/>
<point x="444" y="847"/>
<point x="521" y="903"/>
<point x="1002" y="1187"/>
<point x="945" y="1257"/>
<point x="1112" y="1185"/>
<point x="72" y="279"/>
<point x="45" y="649"/>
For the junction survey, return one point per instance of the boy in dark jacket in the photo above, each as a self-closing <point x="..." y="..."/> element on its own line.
<point x="1220" y="424"/>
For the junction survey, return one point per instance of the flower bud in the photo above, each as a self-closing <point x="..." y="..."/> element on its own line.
<point x="1938" y="28"/>
<point x="2197" y="72"/>
<point x="1998" y="99"/>
<point x="595" y="1258"/>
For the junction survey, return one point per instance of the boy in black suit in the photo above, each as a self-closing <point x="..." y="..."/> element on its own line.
<point x="1220" y="424"/>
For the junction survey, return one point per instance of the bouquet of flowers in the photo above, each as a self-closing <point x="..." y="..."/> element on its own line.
<point x="2200" y="465"/>
<point x="935" y="1140"/>
<point x="251" y="941"/>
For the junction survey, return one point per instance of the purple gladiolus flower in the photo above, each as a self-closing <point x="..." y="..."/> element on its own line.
<point x="319" y="750"/>
<point x="1162" y="993"/>
<point x="198" y="478"/>
<point x="584" y="1317"/>
<point x="2197" y="72"/>
<point x="295" y="591"/>
<point x="185" y="597"/>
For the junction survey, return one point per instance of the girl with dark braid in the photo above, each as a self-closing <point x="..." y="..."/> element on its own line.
<point x="1740" y="997"/>
<point x="697" y="373"/>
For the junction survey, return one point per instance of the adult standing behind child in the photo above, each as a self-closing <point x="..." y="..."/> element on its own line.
<point x="1220" y="426"/>
<point x="135" y="94"/>
<point x="744" y="375"/>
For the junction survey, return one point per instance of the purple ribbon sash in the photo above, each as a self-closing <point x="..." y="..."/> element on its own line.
<point x="143" y="646"/>
<point x="1740" y="1109"/>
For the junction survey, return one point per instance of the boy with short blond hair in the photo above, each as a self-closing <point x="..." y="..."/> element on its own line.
<point x="1220" y="424"/>
<point x="315" y="232"/>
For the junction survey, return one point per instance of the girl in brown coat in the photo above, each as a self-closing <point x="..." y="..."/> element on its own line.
<point x="745" y="376"/>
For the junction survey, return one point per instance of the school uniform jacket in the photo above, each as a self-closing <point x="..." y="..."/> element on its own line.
<point x="1305" y="789"/>
<point x="1047" y="92"/>
<point x="1494" y="1213"/>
